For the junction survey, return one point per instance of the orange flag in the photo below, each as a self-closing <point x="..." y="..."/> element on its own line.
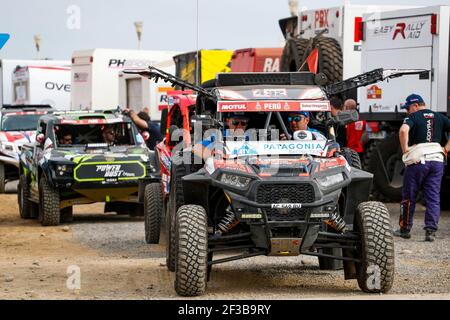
<point x="313" y="61"/>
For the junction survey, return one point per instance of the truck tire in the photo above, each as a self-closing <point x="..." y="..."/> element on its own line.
<point x="192" y="251"/>
<point x="385" y="155"/>
<point x="293" y="53"/>
<point x="2" y="178"/>
<point x="375" y="273"/>
<point x="152" y="212"/>
<point x="352" y="158"/>
<point x="176" y="200"/>
<point x="330" y="58"/>
<point x="49" y="211"/>
<point x="27" y="208"/>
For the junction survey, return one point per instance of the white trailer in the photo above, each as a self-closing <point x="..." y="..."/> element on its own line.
<point x="404" y="39"/>
<point x="42" y="85"/>
<point x="7" y="68"/>
<point x="95" y="75"/>
<point x="136" y="92"/>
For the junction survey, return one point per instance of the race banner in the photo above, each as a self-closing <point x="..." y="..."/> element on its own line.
<point x="273" y="106"/>
<point x="310" y="147"/>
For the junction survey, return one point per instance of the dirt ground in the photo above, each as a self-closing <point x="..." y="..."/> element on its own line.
<point x="115" y="263"/>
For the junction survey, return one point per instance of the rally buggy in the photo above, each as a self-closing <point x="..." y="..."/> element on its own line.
<point x="266" y="196"/>
<point x="17" y="127"/>
<point x="72" y="163"/>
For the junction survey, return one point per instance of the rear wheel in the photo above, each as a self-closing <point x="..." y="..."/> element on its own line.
<point x="375" y="273"/>
<point x="330" y="58"/>
<point x="49" y="211"/>
<point x="152" y="212"/>
<point x="176" y="200"/>
<point x="27" y="208"/>
<point x="192" y="251"/>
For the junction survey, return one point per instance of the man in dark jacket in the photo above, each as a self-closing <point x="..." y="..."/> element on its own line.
<point x="143" y="122"/>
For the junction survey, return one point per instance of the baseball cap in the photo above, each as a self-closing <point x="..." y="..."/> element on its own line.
<point x="301" y="113"/>
<point x="411" y="99"/>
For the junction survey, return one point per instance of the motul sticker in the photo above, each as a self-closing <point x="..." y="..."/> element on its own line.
<point x="374" y="92"/>
<point x="272" y="106"/>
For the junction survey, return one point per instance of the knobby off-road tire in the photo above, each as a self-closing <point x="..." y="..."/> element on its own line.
<point x="293" y="52"/>
<point x="152" y="212"/>
<point x="27" y="209"/>
<point x="352" y="157"/>
<point x="375" y="273"/>
<point x="49" y="210"/>
<point x="330" y="58"/>
<point x="2" y="178"/>
<point x="176" y="200"/>
<point x="192" y="251"/>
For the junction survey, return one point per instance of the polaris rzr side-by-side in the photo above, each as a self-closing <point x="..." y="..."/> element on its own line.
<point x="274" y="192"/>
<point x="80" y="158"/>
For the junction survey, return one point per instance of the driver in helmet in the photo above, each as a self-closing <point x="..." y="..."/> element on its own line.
<point x="298" y="124"/>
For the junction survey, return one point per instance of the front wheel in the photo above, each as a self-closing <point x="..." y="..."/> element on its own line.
<point x="152" y="212"/>
<point x="49" y="210"/>
<point x="375" y="273"/>
<point x="191" y="229"/>
<point x="27" y="209"/>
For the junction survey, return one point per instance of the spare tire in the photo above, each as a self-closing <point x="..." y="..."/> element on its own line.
<point x="293" y="55"/>
<point x="352" y="158"/>
<point x="330" y="58"/>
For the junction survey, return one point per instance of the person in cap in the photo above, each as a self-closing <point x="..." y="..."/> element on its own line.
<point x="421" y="139"/>
<point x="299" y="121"/>
<point x="144" y="123"/>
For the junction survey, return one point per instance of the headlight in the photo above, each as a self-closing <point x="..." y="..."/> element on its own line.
<point x="7" y="146"/>
<point x="235" y="180"/>
<point x="63" y="169"/>
<point x="329" y="181"/>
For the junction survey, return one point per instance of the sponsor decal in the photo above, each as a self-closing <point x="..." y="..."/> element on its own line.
<point x="321" y="19"/>
<point x="91" y="121"/>
<point x="163" y="99"/>
<point x="313" y="147"/>
<point x="374" y="92"/>
<point x="270" y="93"/>
<point x="273" y="105"/>
<point x="113" y="171"/>
<point x="53" y="86"/>
<point x="271" y="65"/>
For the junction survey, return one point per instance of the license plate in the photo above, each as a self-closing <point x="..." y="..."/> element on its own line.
<point x="286" y="205"/>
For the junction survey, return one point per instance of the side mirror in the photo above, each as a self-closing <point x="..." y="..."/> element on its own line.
<point x="145" y="135"/>
<point x="40" y="138"/>
<point x="346" y="117"/>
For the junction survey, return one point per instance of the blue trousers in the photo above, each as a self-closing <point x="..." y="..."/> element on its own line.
<point x="426" y="177"/>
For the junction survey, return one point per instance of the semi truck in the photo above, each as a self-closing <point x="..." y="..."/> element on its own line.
<point x="95" y="77"/>
<point x="416" y="38"/>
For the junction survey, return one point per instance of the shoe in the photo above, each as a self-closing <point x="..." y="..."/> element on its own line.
<point x="430" y="235"/>
<point x="402" y="233"/>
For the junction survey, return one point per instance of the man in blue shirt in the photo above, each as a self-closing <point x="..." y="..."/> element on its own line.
<point x="420" y="138"/>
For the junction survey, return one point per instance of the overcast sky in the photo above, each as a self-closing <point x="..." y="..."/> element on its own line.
<point x="68" y="25"/>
